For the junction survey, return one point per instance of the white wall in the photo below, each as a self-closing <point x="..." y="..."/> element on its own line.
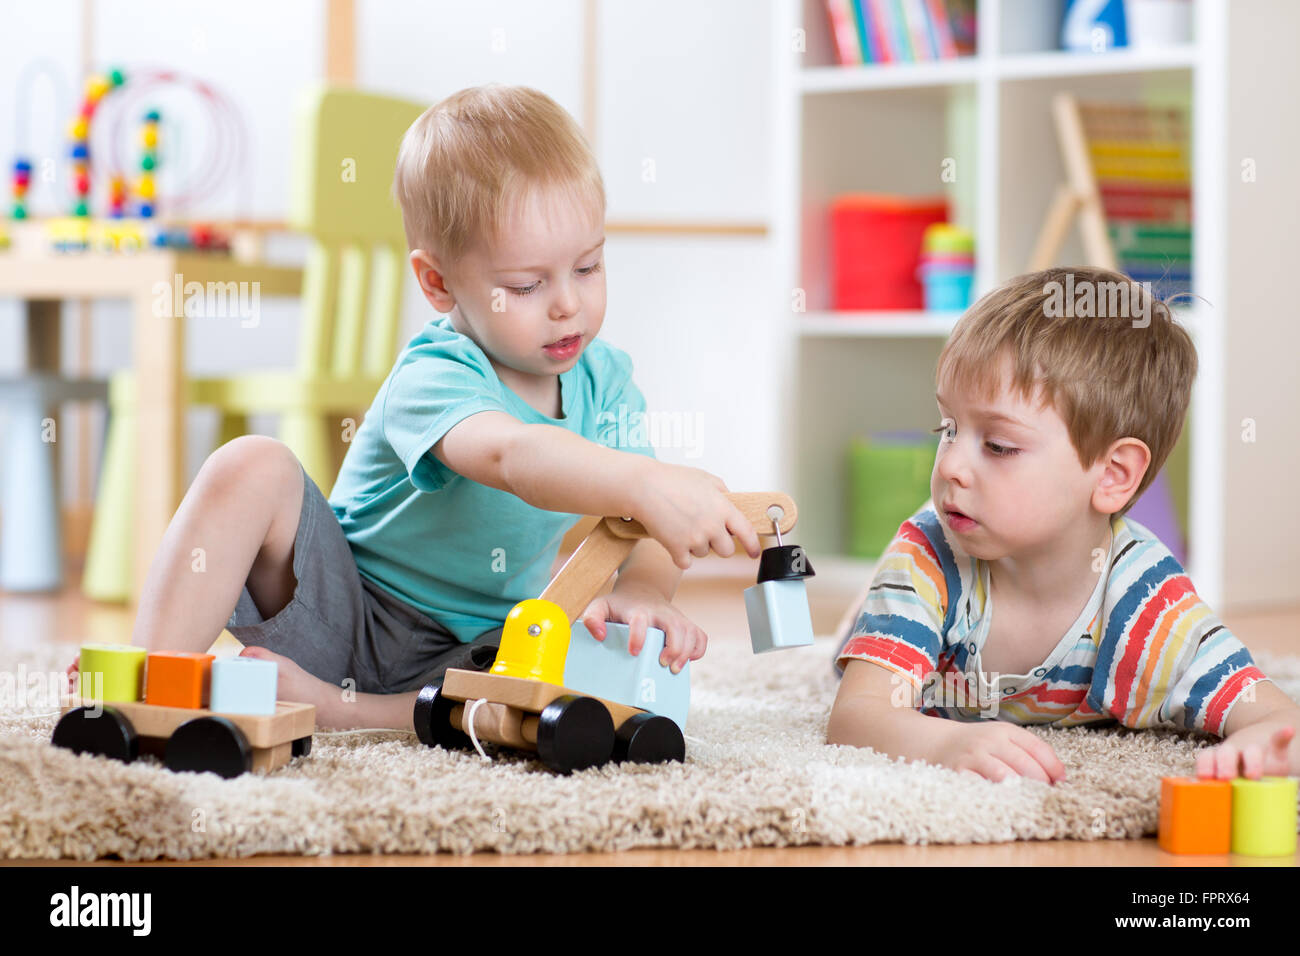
<point x="1261" y="335"/>
<point x="682" y="85"/>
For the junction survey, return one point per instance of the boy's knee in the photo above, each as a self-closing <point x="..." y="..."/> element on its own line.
<point x="253" y="459"/>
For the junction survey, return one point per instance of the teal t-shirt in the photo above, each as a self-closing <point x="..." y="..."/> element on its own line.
<point x="459" y="551"/>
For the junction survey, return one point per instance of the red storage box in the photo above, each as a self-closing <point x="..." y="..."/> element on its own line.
<point x="876" y="249"/>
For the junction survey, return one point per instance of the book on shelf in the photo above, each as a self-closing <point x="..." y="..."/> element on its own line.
<point x="849" y="49"/>
<point x="900" y="31"/>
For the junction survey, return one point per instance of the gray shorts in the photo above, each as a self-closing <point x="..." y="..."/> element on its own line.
<point x="339" y="625"/>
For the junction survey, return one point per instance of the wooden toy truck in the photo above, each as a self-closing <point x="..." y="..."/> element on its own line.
<point x="198" y="740"/>
<point x="568" y="728"/>
<point x="241" y="728"/>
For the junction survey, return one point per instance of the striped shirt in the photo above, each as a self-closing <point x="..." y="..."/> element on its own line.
<point x="1145" y="650"/>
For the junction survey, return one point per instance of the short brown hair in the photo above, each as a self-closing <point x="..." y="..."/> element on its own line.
<point x="466" y="161"/>
<point x="1106" y="353"/>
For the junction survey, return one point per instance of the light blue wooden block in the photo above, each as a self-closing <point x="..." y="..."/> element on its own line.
<point x="243" y="685"/>
<point x="778" y="615"/>
<point x="606" y="669"/>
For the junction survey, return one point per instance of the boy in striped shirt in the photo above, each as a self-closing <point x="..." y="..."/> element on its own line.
<point x="1061" y="395"/>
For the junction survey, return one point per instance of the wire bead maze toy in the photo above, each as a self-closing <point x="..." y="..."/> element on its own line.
<point x="116" y="98"/>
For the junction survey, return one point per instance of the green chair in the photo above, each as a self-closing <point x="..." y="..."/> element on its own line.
<point x="346" y="151"/>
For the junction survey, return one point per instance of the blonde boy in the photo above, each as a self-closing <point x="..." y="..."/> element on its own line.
<point x="1061" y="394"/>
<point x="488" y="439"/>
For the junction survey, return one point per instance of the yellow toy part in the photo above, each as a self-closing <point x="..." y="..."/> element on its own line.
<point x="119" y="235"/>
<point x="112" y="672"/>
<point x="68" y="229"/>
<point x="1264" y="816"/>
<point x="534" y="642"/>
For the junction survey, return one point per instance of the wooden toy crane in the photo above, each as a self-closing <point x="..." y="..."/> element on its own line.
<point x="574" y="700"/>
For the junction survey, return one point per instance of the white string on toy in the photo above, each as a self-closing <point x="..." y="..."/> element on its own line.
<point x="473" y="709"/>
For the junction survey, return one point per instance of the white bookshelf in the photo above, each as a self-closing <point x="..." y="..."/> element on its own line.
<point x="887" y="128"/>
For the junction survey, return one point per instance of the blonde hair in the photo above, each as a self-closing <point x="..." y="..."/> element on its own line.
<point x="1107" y="355"/>
<point x="469" y="160"/>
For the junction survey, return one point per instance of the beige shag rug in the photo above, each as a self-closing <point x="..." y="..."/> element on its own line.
<point x="758" y="773"/>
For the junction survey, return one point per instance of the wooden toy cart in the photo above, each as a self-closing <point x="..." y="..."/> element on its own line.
<point x="187" y="738"/>
<point x="568" y="729"/>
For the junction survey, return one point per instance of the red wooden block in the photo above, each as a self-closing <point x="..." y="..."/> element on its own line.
<point x="178" y="679"/>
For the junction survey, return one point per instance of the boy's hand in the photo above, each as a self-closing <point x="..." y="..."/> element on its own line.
<point x="1269" y="747"/>
<point x="639" y="607"/>
<point x="997" y="750"/>
<point x="687" y="511"/>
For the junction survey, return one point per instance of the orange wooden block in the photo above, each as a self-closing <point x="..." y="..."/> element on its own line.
<point x="177" y="679"/>
<point x="1195" y="815"/>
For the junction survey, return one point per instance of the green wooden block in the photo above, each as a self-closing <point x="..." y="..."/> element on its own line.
<point x="1264" y="816"/>
<point x="112" y="672"/>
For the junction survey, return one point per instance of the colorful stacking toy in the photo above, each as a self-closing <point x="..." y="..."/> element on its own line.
<point x="947" y="270"/>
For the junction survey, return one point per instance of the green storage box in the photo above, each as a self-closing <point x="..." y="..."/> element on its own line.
<point x="889" y="479"/>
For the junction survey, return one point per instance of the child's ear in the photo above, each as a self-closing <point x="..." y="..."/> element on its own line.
<point x="429" y="274"/>
<point x="1123" y="466"/>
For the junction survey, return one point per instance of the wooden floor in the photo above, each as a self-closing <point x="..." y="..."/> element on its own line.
<point x="714" y="601"/>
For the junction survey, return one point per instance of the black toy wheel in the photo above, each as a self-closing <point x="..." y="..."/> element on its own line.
<point x="649" y="738"/>
<point x="301" y="747"/>
<point x="108" y="733"/>
<point x="574" y="733"/>
<point x="209" y="744"/>
<point x="433" y="720"/>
